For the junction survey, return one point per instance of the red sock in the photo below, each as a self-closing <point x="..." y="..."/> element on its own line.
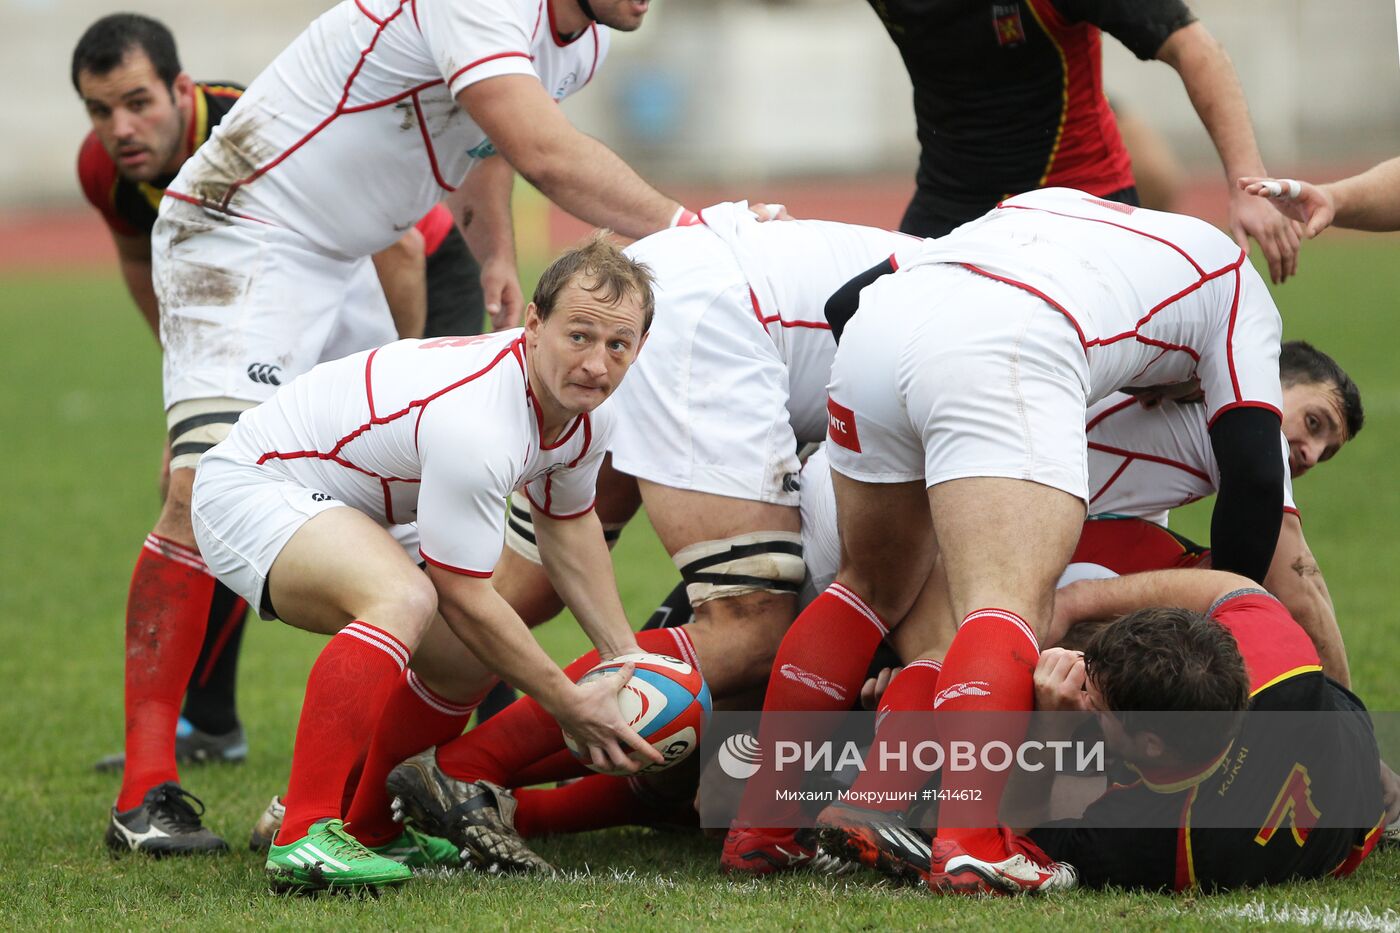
<point x="345" y="695"/>
<point x="820" y="667"/>
<point x="523" y="733"/>
<point x="561" y="766"/>
<point x="414" y="718"/>
<point x="166" y="613"/>
<point x="904" y="717"/>
<point x="597" y="802"/>
<point x="990" y="667"/>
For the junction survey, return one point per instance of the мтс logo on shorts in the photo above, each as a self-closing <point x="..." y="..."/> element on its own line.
<point x="841" y="425"/>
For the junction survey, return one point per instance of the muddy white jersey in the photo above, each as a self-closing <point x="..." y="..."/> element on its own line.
<point x="1146" y="462"/>
<point x="1155" y="298"/>
<point x="353" y="132"/>
<point x="434" y="431"/>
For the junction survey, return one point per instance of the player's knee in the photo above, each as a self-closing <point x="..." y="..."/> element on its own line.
<point x="415" y="604"/>
<point x="888" y="593"/>
<point x="758" y="562"/>
<point x="174" y="522"/>
<point x="745" y="631"/>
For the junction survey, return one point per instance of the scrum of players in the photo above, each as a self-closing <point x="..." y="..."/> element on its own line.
<point x="1008" y="409"/>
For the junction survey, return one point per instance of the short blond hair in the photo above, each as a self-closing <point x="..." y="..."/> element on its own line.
<point x="601" y="269"/>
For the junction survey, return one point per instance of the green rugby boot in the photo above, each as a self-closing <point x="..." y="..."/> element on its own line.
<point x="417" y="849"/>
<point x="328" y="857"/>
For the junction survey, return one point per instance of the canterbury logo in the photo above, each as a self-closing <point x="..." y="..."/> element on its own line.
<point x="968" y="688"/>
<point x="808" y="679"/>
<point x="266" y="373"/>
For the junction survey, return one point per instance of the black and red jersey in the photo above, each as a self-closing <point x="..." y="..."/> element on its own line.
<point x="129" y="207"/>
<point x="1009" y="97"/>
<point x="1255" y="816"/>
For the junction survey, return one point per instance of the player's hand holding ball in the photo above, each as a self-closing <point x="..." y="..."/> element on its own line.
<point x="658" y="706"/>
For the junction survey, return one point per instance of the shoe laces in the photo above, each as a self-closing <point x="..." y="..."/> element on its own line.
<point x="174" y="805"/>
<point x="339" y="844"/>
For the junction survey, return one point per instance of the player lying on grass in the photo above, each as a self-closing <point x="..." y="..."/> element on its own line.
<point x="148" y="117"/>
<point x="957" y="410"/>
<point x="266" y="227"/>
<point x="1212" y="808"/>
<point x="709" y="423"/>
<point x="294" y="513"/>
<point x="1369" y="201"/>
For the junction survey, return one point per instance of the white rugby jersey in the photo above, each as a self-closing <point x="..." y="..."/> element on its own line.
<point x="1156" y="298"/>
<point x="353" y="132"/>
<point x="791" y="268"/>
<point x="435" y="431"/>
<point x="1146" y="462"/>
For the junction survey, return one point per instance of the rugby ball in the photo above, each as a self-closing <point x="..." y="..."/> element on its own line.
<point x="666" y="701"/>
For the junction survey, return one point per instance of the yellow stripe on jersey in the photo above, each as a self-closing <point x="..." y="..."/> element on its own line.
<point x="1305" y="669"/>
<point x="1064" y="93"/>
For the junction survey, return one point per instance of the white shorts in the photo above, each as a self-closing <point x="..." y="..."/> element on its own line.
<point x="705" y="407"/>
<point x="246" y="306"/>
<point x="946" y="374"/>
<point x="244" y="515"/>
<point x="821" y="540"/>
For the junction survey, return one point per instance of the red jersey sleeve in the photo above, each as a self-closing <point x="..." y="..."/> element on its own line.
<point x="435" y="226"/>
<point x="97" y="173"/>
<point x="1273" y="645"/>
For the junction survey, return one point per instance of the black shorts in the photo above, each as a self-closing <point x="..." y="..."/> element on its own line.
<point x="456" y="305"/>
<point x="924" y="220"/>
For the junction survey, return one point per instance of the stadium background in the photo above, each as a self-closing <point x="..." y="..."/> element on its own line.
<point x="801" y="102"/>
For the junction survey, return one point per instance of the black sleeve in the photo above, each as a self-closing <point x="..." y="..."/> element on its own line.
<point x="1249" y="504"/>
<point x="842" y="304"/>
<point x="1141" y="25"/>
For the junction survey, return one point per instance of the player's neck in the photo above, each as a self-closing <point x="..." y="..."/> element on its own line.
<point x="567" y="19"/>
<point x="552" y="418"/>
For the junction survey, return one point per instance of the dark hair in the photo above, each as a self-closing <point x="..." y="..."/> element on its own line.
<point x="1300" y="362"/>
<point x="601" y="268"/>
<point x="1156" y="662"/>
<point x="107" y="42"/>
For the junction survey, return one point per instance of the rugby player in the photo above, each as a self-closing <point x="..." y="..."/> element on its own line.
<point x="265" y="229"/>
<point x="1209" y="809"/>
<point x="1009" y="97"/>
<point x="1362" y="202"/>
<point x="294" y="512"/>
<point x="972" y="416"/>
<point x="148" y="117"/>
<point x="709" y="424"/>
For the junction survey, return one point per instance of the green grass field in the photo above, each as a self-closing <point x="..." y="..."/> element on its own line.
<point x="81" y="429"/>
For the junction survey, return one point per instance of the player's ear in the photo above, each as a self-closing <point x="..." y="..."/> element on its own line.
<point x="533" y="321"/>
<point x="183" y="87"/>
<point x="1152" y="746"/>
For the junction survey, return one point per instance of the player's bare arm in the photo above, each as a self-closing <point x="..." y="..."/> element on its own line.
<point x="1296" y="579"/>
<point x="576" y="557"/>
<point x="481" y="208"/>
<point x="488" y="626"/>
<point x="402" y="273"/>
<point x="1215" y="93"/>
<point x="572" y="169"/>
<point x="134" y="257"/>
<point x="1108" y="599"/>
<point x="1369" y="201"/>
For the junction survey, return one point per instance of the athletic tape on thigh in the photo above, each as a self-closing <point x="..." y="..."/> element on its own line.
<point x="520" y="531"/>
<point x="768" y="561"/>
<point x="197" y="425"/>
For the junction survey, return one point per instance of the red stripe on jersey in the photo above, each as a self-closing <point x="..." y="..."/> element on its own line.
<point x="481" y="61"/>
<point x="593" y="68"/>
<point x="777" y="318"/>
<point x="369" y="384"/>
<point x="1112" y="479"/>
<point x="894" y="262"/>
<point x="545" y="508"/>
<point x="1230" y="334"/>
<point x="539" y="16"/>
<point x="333" y="455"/>
<point x="1264" y="405"/>
<point x="587" y="440"/>
<point x="1118" y="451"/>
<point x="1097" y="419"/>
<point x="374" y="19"/>
<point x="339" y="109"/>
<point x="1100" y="220"/>
<point x="428" y="145"/>
<point x="483" y="574"/>
<point x="1146" y="318"/>
<point x="214" y="207"/>
<point x="376" y="104"/>
<point x="1034" y="291"/>
<point x="388" y="502"/>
